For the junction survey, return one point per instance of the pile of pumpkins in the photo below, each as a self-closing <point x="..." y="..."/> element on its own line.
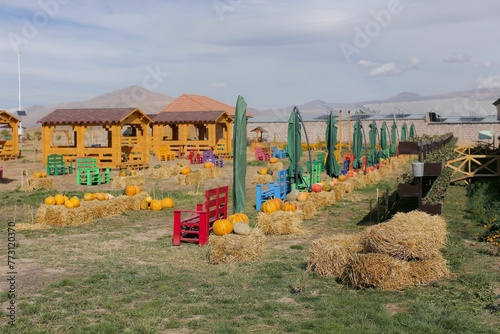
<point x="237" y="223"/>
<point x="40" y="175"/>
<point x="156" y="204"/>
<point x="61" y="199"/>
<point x="264" y="171"/>
<point x="276" y="204"/>
<point x="98" y="196"/>
<point x="126" y="172"/>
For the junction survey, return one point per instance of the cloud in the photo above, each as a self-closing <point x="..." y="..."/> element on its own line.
<point x="457" y="58"/>
<point x="218" y="85"/>
<point x="484" y="64"/>
<point x="388" y="69"/>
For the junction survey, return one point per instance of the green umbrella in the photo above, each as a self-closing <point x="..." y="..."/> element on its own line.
<point x="404" y="131"/>
<point x="384" y="150"/>
<point x="331" y="164"/>
<point x="372" y="136"/>
<point x="357" y="148"/>
<point x="239" y="155"/>
<point x="413" y="133"/>
<point x="394" y="139"/>
<point x="295" y="147"/>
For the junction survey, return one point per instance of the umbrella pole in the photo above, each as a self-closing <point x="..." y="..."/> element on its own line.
<point x="340" y="133"/>
<point x="308" y="149"/>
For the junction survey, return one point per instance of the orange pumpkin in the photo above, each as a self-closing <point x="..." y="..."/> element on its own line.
<point x="288" y="207"/>
<point x="50" y="200"/>
<point x="263" y="171"/>
<point x="185" y="170"/>
<point x="273" y="160"/>
<point x="208" y="164"/>
<point x="317" y="187"/>
<point x="222" y="226"/>
<point x="302" y="196"/>
<point x="99" y="196"/>
<point x="167" y="202"/>
<point x="37" y="175"/>
<point x="326" y="187"/>
<point x="75" y="201"/>
<point x="144" y="205"/>
<point x="69" y="204"/>
<point x="342" y="178"/>
<point x="132" y="190"/>
<point x="270" y="206"/>
<point x="155" y="205"/>
<point x="238" y="217"/>
<point x="59" y="199"/>
<point x="88" y="197"/>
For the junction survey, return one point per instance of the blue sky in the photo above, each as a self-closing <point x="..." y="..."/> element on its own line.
<point x="274" y="53"/>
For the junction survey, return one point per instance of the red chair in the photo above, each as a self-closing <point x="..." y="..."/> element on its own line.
<point x="196" y="225"/>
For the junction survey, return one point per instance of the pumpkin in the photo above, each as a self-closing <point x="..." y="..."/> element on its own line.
<point x="333" y="182"/>
<point x="302" y="196"/>
<point x="317" y="187"/>
<point x="149" y="199"/>
<point x="342" y="178"/>
<point x="37" y="175"/>
<point x="208" y="164"/>
<point x="262" y="171"/>
<point x="44" y="174"/>
<point x="155" y="205"/>
<point x="273" y="160"/>
<point x="288" y="207"/>
<point x="122" y="173"/>
<point x="75" y="201"/>
<point x="270" y="206"/>
<point x="326" y="187"/>
<point x="106" y="196"/>
<point x="132" y="190"/>
<point x="99" y="196"/>
<point x="242" y="228"/>
<point x="69" y="204"/>
<point x="167" y="202"/>
<point x="59" y="199"/>
<point x="222" y="226"/>
<point x="185" y="170"/>
<point x="88" y="197"/>
<point x="144" y="205"/>
<point x="50" y="200"/>
<point x="238" y="218"/>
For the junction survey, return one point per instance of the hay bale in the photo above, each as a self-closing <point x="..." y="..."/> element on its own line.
<point x="378" y="271"/>
<point x="38" y="183"/>
<point x="59" y="215"/>
<point x="210" y="173"/>
<point x="280" y="222"/>
<point x="233" y="247"/>
<point x="357" y="182"/>
<point x="372" y="177"/>
<point x="429" y="271"/>
<point x="306" y="208"/>
<point x="329" y="255"/>
<point x="189" y="179"/>
<point x="339" y="193"/>
<point x="345" y="186"/>
<point x="407" y="236"/>
<point x="124" y="181"/>
<point x="277" y="166"/>
<point x="160" y="173"/>
<point x="322" y="198"/>
<point x="261" y="179"/>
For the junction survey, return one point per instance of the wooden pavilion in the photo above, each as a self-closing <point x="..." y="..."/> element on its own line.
<point x="117" y="137"/>
<point x="197" y="130"/>
<point x="9" y="146"/>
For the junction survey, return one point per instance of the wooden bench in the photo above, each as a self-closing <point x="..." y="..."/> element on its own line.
<point x="88" y="172"/>
<point x="56" y="165"/>
<point x="263" y="192"/>
<point x="196" y="225"/>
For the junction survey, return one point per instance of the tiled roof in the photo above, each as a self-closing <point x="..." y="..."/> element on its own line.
<point x="189" y="117"/>
<point x="88" y="116"/>
<point x="7" y="116"/>
<point x="189" y="102"/>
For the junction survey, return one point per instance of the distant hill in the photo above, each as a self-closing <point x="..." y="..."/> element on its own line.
<point x="134" y="96"/>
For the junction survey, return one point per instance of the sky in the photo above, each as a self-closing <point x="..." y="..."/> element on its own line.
<point x="274" y="53"/>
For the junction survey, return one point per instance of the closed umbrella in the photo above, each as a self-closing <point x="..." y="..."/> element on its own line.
<point x="372" y="136"/>
<point x="413" y="132"/>
<point x="295" y="147"/>
<point x="404" y="131"/>
<point x="331" y="164"/>
<point x="394" y="139"/>
<point x="357" y="149"/>
<point x="239" y="155"/>
<point x="384" y="150"/>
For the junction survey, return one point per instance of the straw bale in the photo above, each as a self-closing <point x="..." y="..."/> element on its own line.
<point x="124" y="181"/>
<point x="233" y="247"/>
<point x="261" y="179"/>
<point x="345" y="186"/>
<point x="160" y="173"/>
<point x="394" y="164"/>
<point x="357" y="182"/>
<point x="306" y="208"/>
<point x="280" y="222"/>
<point x="277" y="166"/>
<point x="383" y="170"/>
<point x="189" y="179"/>
<point x="372" y="177"/>
<point x="322" y="198"/>
<point x="339" y="193"/>
<point x="428" y="271"/>
<point x="61" y="216"/>
<point x="377" y="271"/>
<point x="210" y="173"/>
<point x="407" y="236"/>
<point x="329" y="255"/>
<point x="31" y="184"/>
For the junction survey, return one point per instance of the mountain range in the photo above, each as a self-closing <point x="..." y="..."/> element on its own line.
<point x="457" y="103"/>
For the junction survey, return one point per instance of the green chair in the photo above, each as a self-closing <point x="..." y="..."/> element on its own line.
<point x="89" y="173"/>
<point x="57" y="166"/>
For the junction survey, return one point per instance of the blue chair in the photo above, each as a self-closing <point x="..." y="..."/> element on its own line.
<point x="263" y="192"/>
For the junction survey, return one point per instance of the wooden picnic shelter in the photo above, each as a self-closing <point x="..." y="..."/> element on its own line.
<point x="117" y="137"/>
<point x="9" y="148"/>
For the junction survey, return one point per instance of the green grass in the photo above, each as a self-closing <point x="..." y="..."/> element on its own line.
<point x="121" y="275"/>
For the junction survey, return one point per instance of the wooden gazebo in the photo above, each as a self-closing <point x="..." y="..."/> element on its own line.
<point x="118" y="137"/>
<point x="9" y="147"/>
<point x="199" y="130"/>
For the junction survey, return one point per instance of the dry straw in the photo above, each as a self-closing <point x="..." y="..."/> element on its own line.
<point x="372" y="177"/>
<point x="345" y="186"/>
<point x="210" y="173"/>
<point x="407" y="236"/>
<point x="46" y="183"/>
<point x="277" y="166"/>
<point x="329" y="255"/>
<point x="261" y="179"/>
<point x="307" y="208"/>
<point x="323" y="198"/>
<point x="189" y="179"/>
<point x="233" y="247"/>
<point x="124" y="181"/>
<point x="280" y="222"/>
<point x="61" y="216"/>
<point x="160" y="173"/>
<point x="428" y="271"/>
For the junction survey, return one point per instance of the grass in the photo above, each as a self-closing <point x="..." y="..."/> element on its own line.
<point x="121" y="275"/>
